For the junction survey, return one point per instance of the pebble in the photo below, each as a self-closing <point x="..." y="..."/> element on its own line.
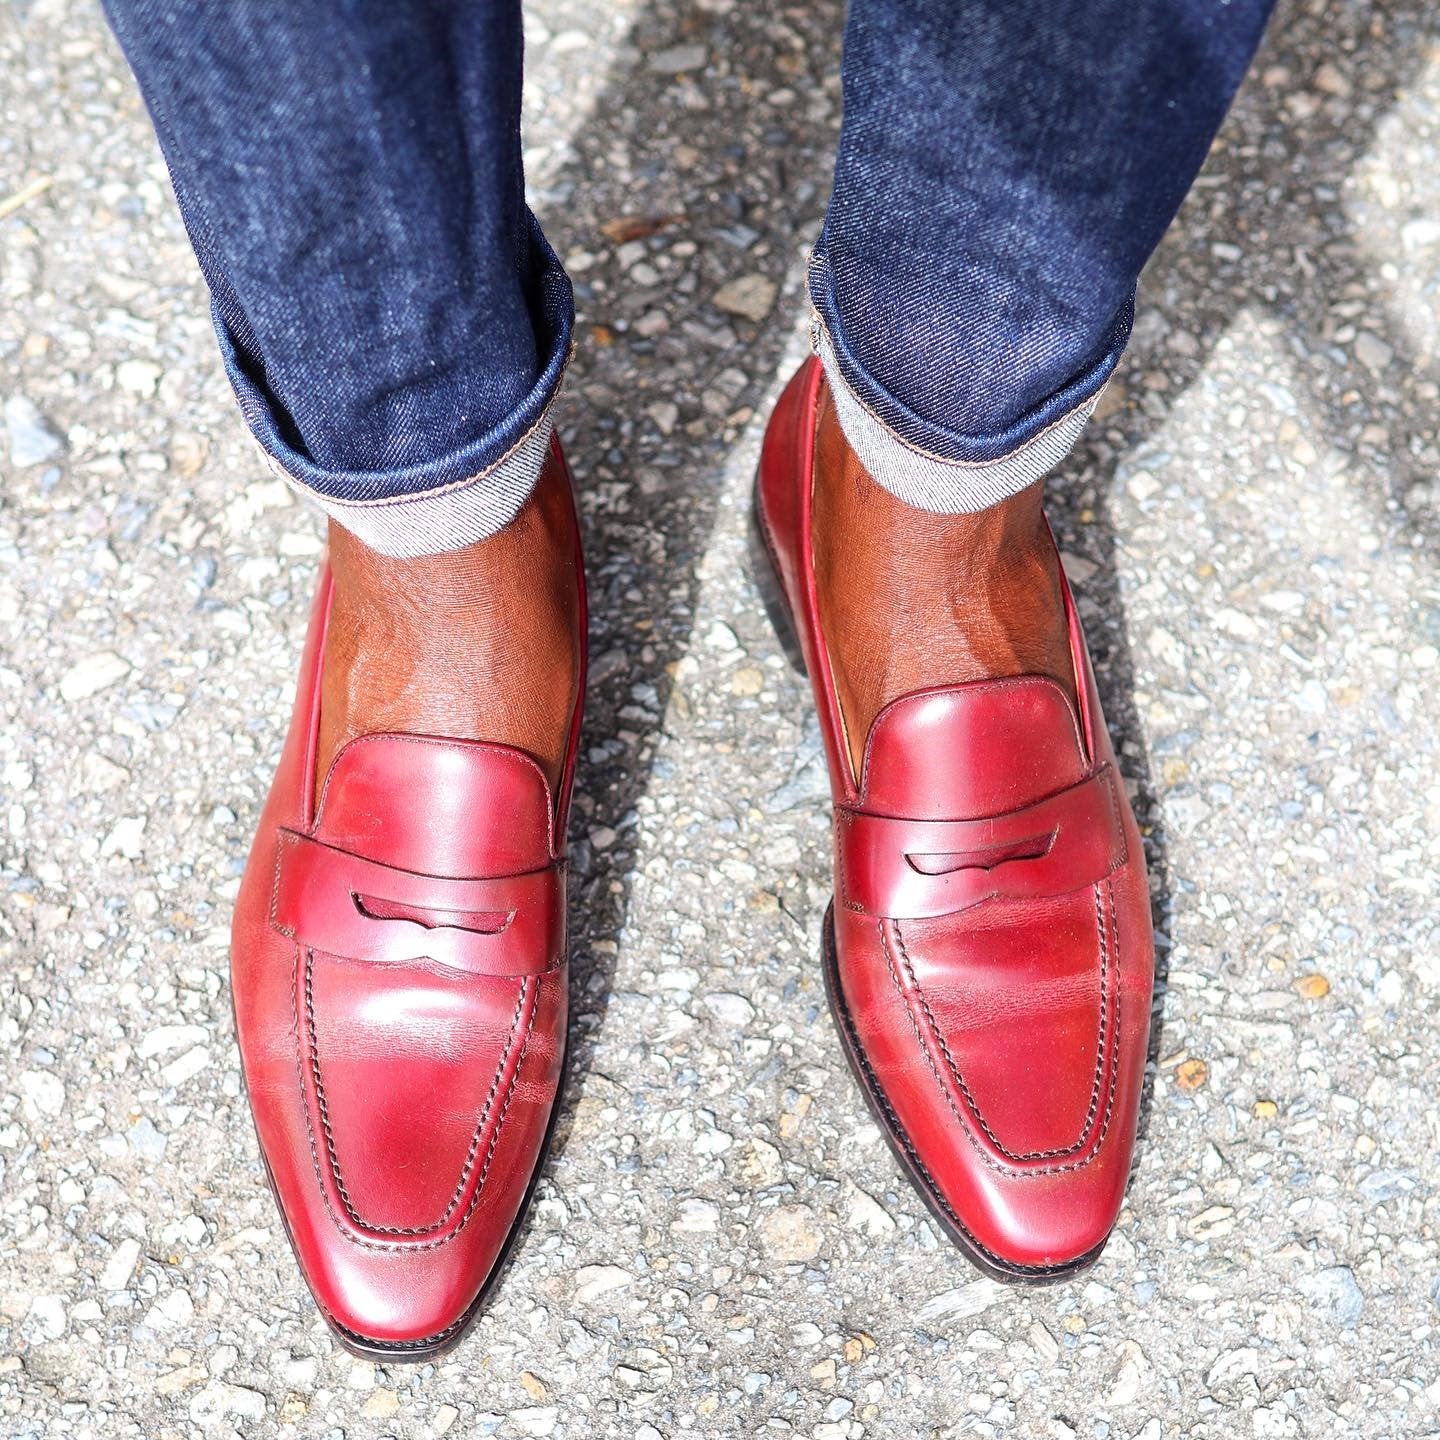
<point x="165" y="1038"/>
<point x="218" y="1401"/>
<point x="139" y="377"/>
<point x="678" y="59"/>
<point x="120" y="1266"/>
<point x="696" y="1217"/>
<point x="93" y="674"/>
<point x="44" y="1091"/>
<point x="1337" y="1294"/>
<point x="171" y="1311"/>
<point x="752" y="297"/>
<point x="790" y="1235"/>
<point x="32" y="442"/>
<point x="1372" y="352"/>
<point x="46" y="1317"/>
<point x="864" y="1213"/>
<point x="732" y="1011"/>
<point x="382" y="1405"/>
<point x="189" y="1065"/>
<point x="593" y="1281"/>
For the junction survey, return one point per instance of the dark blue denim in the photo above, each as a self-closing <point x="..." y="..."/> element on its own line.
<point x="1005" y="170"/>
<point x="349" y="172"/>
<point x="394" y="321"/>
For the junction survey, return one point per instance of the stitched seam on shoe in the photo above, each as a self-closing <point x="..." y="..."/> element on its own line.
<point x="1102" y="1049"/>
<point x="974" y="1105"/>
<point x="1010" y="1165"/>
<point x="871" y="1085"/>
<point x="1110" y="784"/>
<point x="329" y="1133"/>
<point x="285" y="930"/>
<point x="877" y="1092"/>
<point x="315" y="1153"/>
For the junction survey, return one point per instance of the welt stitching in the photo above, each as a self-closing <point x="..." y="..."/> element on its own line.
<point x="973" y="1104"/>
<point x="1115" y="941"/>
<point x="330" y="1136"/>
<point x="315" y="1154"/>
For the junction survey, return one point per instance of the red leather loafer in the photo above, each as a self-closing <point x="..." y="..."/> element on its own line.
<point x="988" y="955"/>
<point x="399" y="978"/>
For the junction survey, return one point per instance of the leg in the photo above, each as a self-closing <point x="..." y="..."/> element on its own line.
<point x="1004" y="172"/>
<point x="395" y="326"/>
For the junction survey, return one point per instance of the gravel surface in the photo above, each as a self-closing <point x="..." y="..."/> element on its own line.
<point x="722" y="1244"/>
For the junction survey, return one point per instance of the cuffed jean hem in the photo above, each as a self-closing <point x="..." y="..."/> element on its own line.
<point x="444" y="504"/>
<point x="947" y="472"/>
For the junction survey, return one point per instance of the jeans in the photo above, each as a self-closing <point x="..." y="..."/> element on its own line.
<point x="396" y="326"/>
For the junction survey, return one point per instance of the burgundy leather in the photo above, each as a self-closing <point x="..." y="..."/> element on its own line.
<point x="992" y="946"/>
<point x="399" y="977"/>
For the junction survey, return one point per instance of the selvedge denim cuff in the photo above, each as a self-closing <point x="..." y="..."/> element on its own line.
<point x="443" y="504"/>
<point x="929" y="466"/>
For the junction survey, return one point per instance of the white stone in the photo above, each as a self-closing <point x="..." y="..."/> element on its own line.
<point x="173" y="1311"/>
<point x="190" y="1064"/>
<point x="139" y="377"/>
<point x="730" y="1009"/>
<point x="47" y="1316"/>
<point x="120" y="1266"/>
<point x="219" y="1399"/>
<point x="32" y="442"/>
<point x="44" y="1091"/>
<point x="126" y="838"/>
<point x="594" y="1281"/>
<point x="751" y="297"/>
<point x="170" y="1037"/>
<point x="863" y="1212"/>
<point x="92" y="675"/>
<point x="697" y="1217"/>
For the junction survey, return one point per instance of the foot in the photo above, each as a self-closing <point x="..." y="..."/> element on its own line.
<point x="988" y="956"/>
<point x="398" y="961"/>
<point x="910" y="600"/>
<point x="474" y="644"/>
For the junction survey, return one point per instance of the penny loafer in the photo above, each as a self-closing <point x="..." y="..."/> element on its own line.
<point x="988" y="955"/>
<point x="398" y="971"/>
